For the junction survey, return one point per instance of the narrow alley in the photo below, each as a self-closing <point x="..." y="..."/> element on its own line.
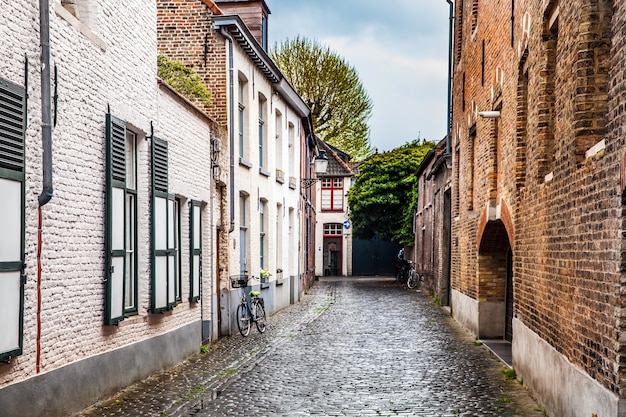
<point x="353" y="347"/>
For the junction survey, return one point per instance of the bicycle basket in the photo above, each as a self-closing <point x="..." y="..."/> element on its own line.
<point x="238" y="281"/>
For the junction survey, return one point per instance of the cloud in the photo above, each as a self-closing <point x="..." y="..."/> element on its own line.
<point x="399" y="49"/>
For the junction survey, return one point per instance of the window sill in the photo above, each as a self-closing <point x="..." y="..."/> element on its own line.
<point x="80" y="26"/>
<point x="244" y="163"/>
<point x="264" y="172"/>
<point x="129" y="321"/>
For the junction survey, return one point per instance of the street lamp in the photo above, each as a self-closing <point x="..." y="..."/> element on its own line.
<point x="321" y="165"/>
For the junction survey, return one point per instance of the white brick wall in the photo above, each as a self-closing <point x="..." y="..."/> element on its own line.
<point x="259" y="186"/>
<point x="113" y="65"/>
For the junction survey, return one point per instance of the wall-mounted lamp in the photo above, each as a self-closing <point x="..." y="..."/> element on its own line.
<point x="321" y="165"/>
<point x="216" y="148"/>
<point x="494" y="114"/>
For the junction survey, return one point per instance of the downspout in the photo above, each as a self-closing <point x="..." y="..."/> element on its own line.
<point x="231" y="127"/>
<point x="46" y="108"/>
<point x="46" y="139"/>
<point x="449" y="125"/>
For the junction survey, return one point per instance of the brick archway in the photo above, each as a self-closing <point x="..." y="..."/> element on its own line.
<point x="495" y="295"/>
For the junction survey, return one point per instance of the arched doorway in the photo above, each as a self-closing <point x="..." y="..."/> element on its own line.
<point x="495" y="283"/>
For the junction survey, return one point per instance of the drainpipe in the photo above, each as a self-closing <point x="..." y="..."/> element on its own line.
<point x="449" y="126"/>
<point x="231" y="126"/>
<point x="46" y="139"/>
<point x="46" y="108"/>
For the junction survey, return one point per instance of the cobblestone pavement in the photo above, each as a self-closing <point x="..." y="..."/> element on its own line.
<point x="352" y="347"/>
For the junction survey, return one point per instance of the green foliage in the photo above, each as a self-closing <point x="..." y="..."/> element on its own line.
<point x="510" y="374"/>
<point x="183" y="79"/>
<point x="384" y="195"/>
<point x="340" y="106"/>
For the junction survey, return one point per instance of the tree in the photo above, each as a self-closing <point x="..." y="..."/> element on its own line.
<point x="384" y="194"/>
<point x="340" y="106"/>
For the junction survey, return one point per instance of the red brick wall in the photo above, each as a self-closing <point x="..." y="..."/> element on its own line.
<point x="185" y="34"/>
<point x="567" y="230"/>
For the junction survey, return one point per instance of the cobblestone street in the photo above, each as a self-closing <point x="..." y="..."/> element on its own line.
<point x="353" y="347"/>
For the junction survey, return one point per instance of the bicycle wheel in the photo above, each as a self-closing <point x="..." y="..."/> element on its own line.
<point x="411" y="281"/>
<point x="259" y="312"/>
<point x="243" y="319"/>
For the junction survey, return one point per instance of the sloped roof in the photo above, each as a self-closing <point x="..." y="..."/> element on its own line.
<point x="338" y="161"/>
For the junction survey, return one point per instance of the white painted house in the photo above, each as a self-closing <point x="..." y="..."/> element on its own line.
<point x="265" y="129"/>
<point x="333" y="255"/>
<point x="105" y="207"/>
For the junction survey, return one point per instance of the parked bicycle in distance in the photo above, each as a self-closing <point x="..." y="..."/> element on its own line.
<point x="406" y="274"/>
<point x="249" y="310"/>
<point x="412" y="279"/>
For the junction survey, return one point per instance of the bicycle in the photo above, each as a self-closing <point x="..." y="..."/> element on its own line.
<point x="412" y="279"/>
<point x="249" y="310"/>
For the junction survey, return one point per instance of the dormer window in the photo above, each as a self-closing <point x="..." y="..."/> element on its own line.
<point x="264" y="31"/>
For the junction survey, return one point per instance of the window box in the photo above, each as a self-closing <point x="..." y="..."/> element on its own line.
<point x="280" y="176"/>
<point x="292" y="183"/>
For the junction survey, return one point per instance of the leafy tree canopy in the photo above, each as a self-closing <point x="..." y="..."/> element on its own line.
<point x="383" y="197"/>
<point x="340" y="106"/>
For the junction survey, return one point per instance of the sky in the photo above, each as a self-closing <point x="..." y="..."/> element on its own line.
<point x="399" y="49"/>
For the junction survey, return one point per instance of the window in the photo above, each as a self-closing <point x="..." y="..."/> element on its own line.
<point x="264" y="31"/>
<point x="84" y="10"/>
<point x="243" y="115"/>
<point x="262" y="229"/>
<point x="333" y="229"/>
<point x="262" y="132"/>
<point x="291" y="135"/>
<point x="195" y="251"/>
<point x="164" y="250"/>
<point x="12" y="195"/>
<point x="120" y="222"/>
<point x="279" y="140"/>
<point x="243" y="233"/>
<point x="130" y="276"/>
<point x="177" y="257"/>
<point x="332" y="194"/>
<point x="278" y="244"/>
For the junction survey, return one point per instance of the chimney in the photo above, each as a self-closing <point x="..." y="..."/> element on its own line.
<point x="254" y="14"/>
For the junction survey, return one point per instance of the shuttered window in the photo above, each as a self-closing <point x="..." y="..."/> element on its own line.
<point x="115" y="220"/>
<point x="164" y="254"/>
<point x="12" y="203"/>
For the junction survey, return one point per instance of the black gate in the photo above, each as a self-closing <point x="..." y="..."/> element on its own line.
<point x="374" y="257"/>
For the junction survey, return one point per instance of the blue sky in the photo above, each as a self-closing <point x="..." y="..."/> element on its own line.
<point x="398" y="47"/>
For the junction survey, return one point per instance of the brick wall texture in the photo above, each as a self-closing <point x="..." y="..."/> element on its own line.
<point x="544" y="177"/>
<point x="111" y="64"/>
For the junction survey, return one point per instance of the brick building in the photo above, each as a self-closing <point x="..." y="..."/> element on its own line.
<point x="432" y="226"/>
<point x="538" y="183"/>
<point x="100" y="272"/>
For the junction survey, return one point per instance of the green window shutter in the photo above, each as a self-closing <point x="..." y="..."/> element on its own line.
<point x="163" y="295"/>
<point x="12" y="217"/>
<point x="195" y="251"/>
<point x="115" y="201"/>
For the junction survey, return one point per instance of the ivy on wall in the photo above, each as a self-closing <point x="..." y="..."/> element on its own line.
<point x="183" y="79"/>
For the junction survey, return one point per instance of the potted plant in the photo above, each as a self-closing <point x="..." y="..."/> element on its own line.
<point x="265" y="275"/>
